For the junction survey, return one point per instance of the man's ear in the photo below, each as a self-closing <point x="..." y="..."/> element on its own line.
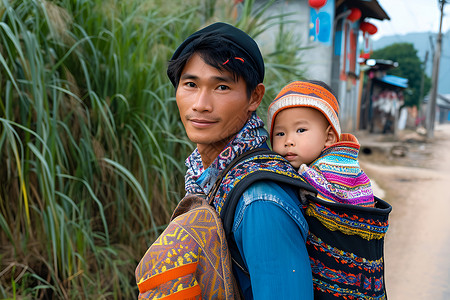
<point x="256" y="97"/>
<point x="331" y="136"/>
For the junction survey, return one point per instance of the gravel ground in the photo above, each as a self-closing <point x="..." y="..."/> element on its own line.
<point x="413" y="175"/>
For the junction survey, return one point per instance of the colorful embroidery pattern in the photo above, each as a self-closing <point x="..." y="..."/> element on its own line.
<point x="366" y="228"/>
<point x="337" y="176"/>
<point x="336" y="232"/>
<point x="191" y="253"/>
<point x="339" y="276"/>
<point x="343" y="257"/>
<point x="344" y="293"/>
<point x="265" y="163"/>
<point x="185" y="287"/>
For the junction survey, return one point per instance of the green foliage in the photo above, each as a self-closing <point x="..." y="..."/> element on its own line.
<point x="91" y="147"/>
<point x="410" y="67"/>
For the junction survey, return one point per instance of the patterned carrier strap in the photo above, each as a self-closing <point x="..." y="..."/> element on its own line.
<point x="262" y="164"/>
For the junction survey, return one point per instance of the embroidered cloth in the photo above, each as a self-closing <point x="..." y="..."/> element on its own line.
<point x="337" y="176"/>
<point x="199" y="181"/>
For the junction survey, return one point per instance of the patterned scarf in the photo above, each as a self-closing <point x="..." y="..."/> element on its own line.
<point x="199" y="181"/>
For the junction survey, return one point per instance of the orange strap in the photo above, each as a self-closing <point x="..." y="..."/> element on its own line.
<point x="163" y="277"/>
<point x="191" y="293"/>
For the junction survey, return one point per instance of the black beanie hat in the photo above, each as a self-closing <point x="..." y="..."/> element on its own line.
<point x="235" y="36"/>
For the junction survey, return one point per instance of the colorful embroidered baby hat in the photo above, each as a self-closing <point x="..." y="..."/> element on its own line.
<point x="306" y="94"/>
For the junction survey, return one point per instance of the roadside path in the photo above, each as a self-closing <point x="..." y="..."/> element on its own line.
<point x="417" y="244"/>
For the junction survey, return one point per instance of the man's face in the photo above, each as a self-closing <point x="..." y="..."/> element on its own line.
<point x="213" y="107"/>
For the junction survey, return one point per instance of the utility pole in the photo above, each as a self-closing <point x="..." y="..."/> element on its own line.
<point x="431" y="108"/>
<point x="422" y="81"/>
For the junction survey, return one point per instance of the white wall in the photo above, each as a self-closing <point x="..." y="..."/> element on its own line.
<point x="318" y="58"/>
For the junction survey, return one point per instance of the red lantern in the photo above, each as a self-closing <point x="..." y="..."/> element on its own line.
<point x="368" y="27"/>
<point x="355" y="14"/>
<point x="365" y="55"/>
<point x="317" y="3"/>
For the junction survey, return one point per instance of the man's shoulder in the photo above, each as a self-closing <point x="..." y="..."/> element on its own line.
<point x="262" y="193"/>
<point x="269" y="172"/>
<point x="266" y="175"/>
<point x="269" y="189"/>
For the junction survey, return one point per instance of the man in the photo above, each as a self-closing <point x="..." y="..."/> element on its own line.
<point x="218" y="73"/>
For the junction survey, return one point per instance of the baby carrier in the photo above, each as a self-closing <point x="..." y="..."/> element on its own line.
<point x="191" y="258"/>
<point x="346" y="249"/>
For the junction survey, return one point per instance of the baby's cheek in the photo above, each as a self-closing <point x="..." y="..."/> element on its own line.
<point x="276" y="146"/>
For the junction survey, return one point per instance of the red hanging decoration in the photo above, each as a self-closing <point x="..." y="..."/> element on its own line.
<point x="365" y="55"/>
<point x="317" y="3"/>
<point x="355" y="14"/>
<point x="368" y="27"/>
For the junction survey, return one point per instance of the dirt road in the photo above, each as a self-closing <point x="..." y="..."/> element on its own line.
<point x="417" y="186"/>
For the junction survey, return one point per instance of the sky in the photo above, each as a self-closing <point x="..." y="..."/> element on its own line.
<point x="411" y="16"/>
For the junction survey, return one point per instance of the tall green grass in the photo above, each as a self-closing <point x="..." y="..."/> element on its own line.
<point x="91" y="147"/>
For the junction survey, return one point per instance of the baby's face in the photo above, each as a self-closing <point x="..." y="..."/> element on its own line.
<point x="300" y="134"/>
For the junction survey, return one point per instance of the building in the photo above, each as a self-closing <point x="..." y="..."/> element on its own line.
<point x="382" y="97"/>
<point x="337" y="33"/>
<point x="442" y="107"/>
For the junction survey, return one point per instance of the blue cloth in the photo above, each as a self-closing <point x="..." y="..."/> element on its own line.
<point x="270" y="232"/>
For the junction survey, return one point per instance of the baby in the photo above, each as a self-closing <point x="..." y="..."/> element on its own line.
<point x="304" y="128"/>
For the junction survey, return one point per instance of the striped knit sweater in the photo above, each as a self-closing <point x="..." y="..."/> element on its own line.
<point x="337" y="176"/>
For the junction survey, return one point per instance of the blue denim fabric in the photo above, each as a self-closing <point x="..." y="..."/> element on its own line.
<point x="281" y="195"/>
<point x="270" y="232"/>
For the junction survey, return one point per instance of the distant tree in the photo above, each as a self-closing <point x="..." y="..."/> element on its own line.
<point x="409" y="66"/>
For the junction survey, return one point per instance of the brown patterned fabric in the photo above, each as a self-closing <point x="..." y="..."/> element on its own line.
<point x="190" y="259"/>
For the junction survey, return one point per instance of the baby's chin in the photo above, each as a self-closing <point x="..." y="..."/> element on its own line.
<point x="296" y="165"/>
